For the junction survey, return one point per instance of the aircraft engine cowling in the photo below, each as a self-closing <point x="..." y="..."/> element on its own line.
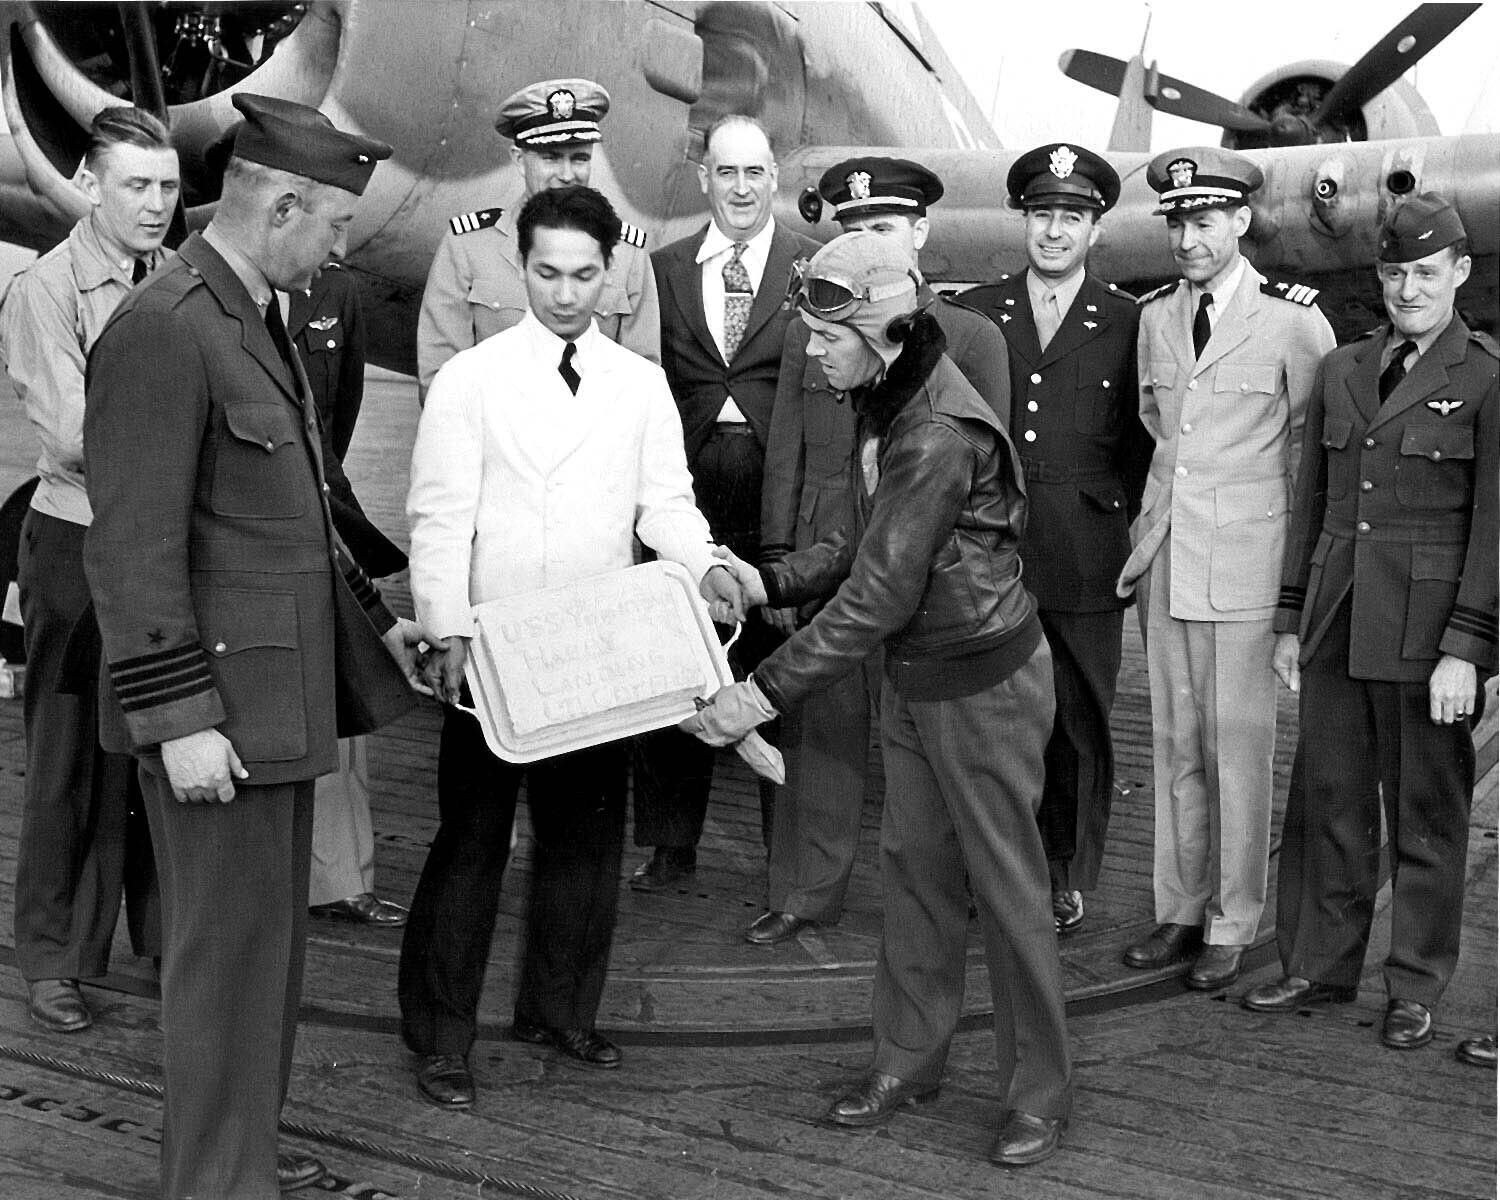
<point x="1290" y="97"/>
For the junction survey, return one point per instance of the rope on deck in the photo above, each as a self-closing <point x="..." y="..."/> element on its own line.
<point x="313" y="1133"/>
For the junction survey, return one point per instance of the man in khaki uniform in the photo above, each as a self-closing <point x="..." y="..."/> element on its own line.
<point x="1226" y="362"/>
<point x="474" y="287"/>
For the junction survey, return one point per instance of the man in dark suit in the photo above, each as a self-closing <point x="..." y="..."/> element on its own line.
<point x="1387" y="621"/>
<point x="826" y="740"/>
<point x="327" y="325"/>
<point x="723" y="324"/>
<point x="238" y="639"/>
<point x="1076" y="426"/>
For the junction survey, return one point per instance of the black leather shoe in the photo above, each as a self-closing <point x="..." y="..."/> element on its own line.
<point x="366" y="908"/>
<point x="445" y="1080"/>
<point x="666" y="868"/>
<point x="587" y="1047"/>
<point x="1408" y="1025"/>
<point x="294" y="1171"/>
<point x="1025" y="1139"/>
<point x="876" y="1099"/>
<point x="1067" y="910"/>
<point x="57" y="1004"/>
<point x="772" y="927"/>
<point x="1216" y="967"/>
<point x="1291" y="992"/>
<point x="523" y="1029"/>
<point x="1165" y="945"/>
<point x="1477" y="1052"/>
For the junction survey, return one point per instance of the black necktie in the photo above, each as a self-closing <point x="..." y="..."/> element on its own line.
<point x="1395" y="370"/>
<point x="1202" y="330"/>
<point x="565" y="368"/>
<point x="277" y="329"/>
<point x="138" y="272"/>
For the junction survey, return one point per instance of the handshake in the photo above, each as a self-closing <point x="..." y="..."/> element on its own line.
<point x="731" y="587"/>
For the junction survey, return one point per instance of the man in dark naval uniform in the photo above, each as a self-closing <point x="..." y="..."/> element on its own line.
<point x="1386" y="625"/>
<point x="238" y="638"/>
<point x="804" y="498"/>
<point x="1075" y="424"/>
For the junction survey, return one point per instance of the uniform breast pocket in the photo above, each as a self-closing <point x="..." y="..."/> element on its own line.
<point x="493" y="307"/>
<point x="1094" y="408"/>
<point x="251" y="640"/>
<point x="1251" y="383"/>
<point x="1341" y="467"/>
<point x="260" y="468"/>
<point x="613" y="304"/>
<point x="1436" y="466"/>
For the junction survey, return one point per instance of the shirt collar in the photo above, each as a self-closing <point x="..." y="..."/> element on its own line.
<point x="1223" y="291"/>
<point x="1423" y="343"/>
<point x="548" y="346"/>
<point x="715" y="242"/>
<point x="246" y="271"/>
<point x="1067" y="291"/>
<point x="94" y="262"/>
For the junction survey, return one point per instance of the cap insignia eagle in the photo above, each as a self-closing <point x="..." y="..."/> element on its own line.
<point x="1062" y="161"/>
<point x="560" y="104"/>
<point x="1180" y="171"/>
<point x="859" y="185"/>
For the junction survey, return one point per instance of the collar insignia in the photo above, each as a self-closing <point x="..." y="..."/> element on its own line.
<point x="1091" y="307"/>
<point x="1444" y="407"/>
<point x="1091" y="324"/>
<point x="1004" y="317"/>
<point x="1061" y="161"/>
<point x="560" y="104"/>
<point x="1422" y="237"/>
<point x="859" y="185"/>
<point x="322" y="324"/>
<point x="1180" y="171"/>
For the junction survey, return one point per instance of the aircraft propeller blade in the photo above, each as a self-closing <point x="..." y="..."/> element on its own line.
<point x="1164" y="93"/>
<point x="1390" y="58"/>
<point x="146" y="89"/>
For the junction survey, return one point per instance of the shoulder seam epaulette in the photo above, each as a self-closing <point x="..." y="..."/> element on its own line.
<point x="1484" y="339"/>
<point x="469" y="222"/>
<point x="1115" y="289"/>
<point x="632" y="235"/>
<point x="1166" y="289"/>
<point x="1297" y="293"/>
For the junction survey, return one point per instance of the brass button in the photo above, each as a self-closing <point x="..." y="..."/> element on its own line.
<point x="1187" y="427"/>
<point x="1365" y="485"/>
<point x="1369" y="443"/>
<point x="1105" y="383"/>
<point x="1436" y="454"/>
<point x="332" y="345"/>
<point x="220" y="647"/>
<point x="1031" y="435"/>
<point x="1032" y="406"/>
<point x="1035" y="378"/>
<point x="1363" y="527"/>
<point x="1182" y="472"/>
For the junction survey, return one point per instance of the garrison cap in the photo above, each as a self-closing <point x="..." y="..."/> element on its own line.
<point x="555" y="112"/>
<point x="860" y="186"/>
<point x="1063" y="173"/>
<point x="293" y="137"/>
<point x="1420" y="225"/>
<point x="1193" y="178"/>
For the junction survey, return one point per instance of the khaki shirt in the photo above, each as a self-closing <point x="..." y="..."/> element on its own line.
<point x="49" y="320"/>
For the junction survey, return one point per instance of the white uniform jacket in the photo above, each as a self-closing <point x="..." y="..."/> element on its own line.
<point x="1228" y="431"/>
<point x="516" y="484"/>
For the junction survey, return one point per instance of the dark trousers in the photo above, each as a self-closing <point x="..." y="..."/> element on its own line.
<point x="961" y="804"/>
<point x="234" y="923"/>
<point x="674" y="771"/>
<point x="577" y="804"/>
<point x="1080" y="757"/>
<point x="1361" y="741"/>
<point x="84" y="837"/>
<point x="816" y="824"/>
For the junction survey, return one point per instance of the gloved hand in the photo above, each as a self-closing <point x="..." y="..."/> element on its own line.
<point x="732" y="713"/>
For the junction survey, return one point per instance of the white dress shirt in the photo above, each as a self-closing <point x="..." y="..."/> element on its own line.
<point x="1222" y="292"/>
<point x="518" y="484"/>
<point x="713" y="254"/>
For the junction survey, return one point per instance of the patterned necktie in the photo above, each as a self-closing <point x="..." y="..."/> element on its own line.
<point x="1048" y="320"/>
<point x="1395" y="370"/>
<point x="1202" y="330"/>
<point x="276" y="327"/>
<point x="738" y="297"/>
<point x="567" y="370"/>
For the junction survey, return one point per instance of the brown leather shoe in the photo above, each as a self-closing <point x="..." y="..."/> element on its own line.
<point x="772" y="927"/>
<point x="445" y="1080"/>
<point x="666" y="868"/>
<point x="366" y="908"/>
<point x="1067" y="910"/>
<point x="1163" y="946"/>
<point x="1408" y="1025"/>
<point x="1216" y="967"/>
<point x="1025" y="1139"/>
<point x="876" y="1100"/>
<point x="1291" y="992"/>
<point x="1476" y="1051"/>
<point x="57" y="1004"/>
<point x="294" y="1171"/>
